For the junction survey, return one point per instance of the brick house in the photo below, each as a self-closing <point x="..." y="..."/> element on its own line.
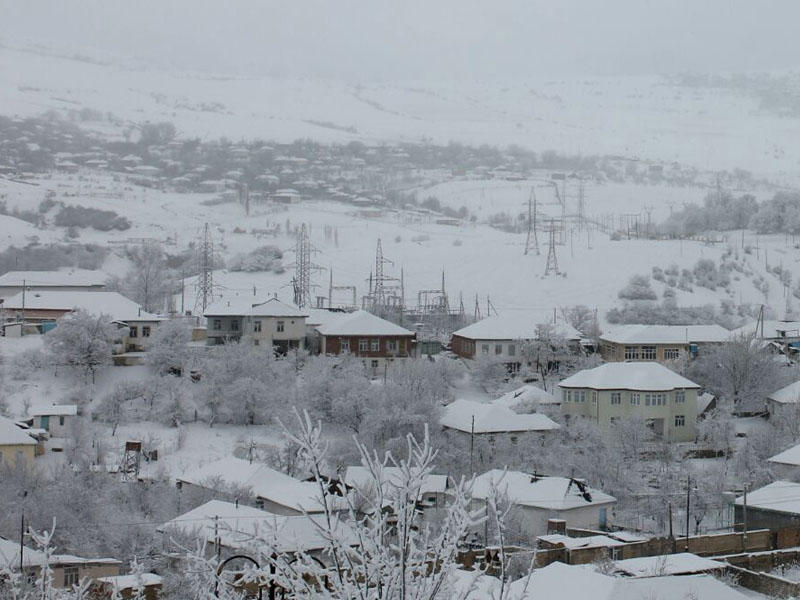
<point x="662" y="343"/>
<point x="377" y="342"/>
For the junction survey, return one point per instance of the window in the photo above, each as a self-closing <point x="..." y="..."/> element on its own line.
<point x="631" y="352"/>
<point x="648" y="352"/>
<point x="391" y="345"/>
<point x="498" y="348"/>
<point x="582" y="395"/>
<point x="344" y="345"/>
<point x="145" y="330"/>
<point x="485" y="348"/>
<point x="680" y="420"/>
<point x="71" y="576"/>
<point x="616" y="397"/>
<point x="280" y="326"/>
<point x="234" y="325"/>
<point x="594" y="397"/>
<point x="680" y="396"/>
<point x="512" y="350"/>
<point x="375" y="346"/>
<point x="363" y="345"/>
<point x="134" y="332"/>
<point x="655" y="399"/>
<point x="1" y="457"/>
<point x="635" y="398"/>
<point x="374" y="364"/>
<point x="217" y="324"/>
<point x="256" y="326"/>
<point x="647" y="399"/>
<point x="61" y="420"/>
<point x="565" y="394"/>
<point x="671" y="353"/>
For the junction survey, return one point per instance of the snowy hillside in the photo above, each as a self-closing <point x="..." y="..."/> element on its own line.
<point x="647" y="118"/>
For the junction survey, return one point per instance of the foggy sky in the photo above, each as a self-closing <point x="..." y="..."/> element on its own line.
<point x="421" y="39"/>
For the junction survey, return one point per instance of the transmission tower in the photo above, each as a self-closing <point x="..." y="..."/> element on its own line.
<point x="581" y="204"/>
<point x="303" y="267"/>
<point x="205" y="278"/>
<point x="552" y="261"/>
<point x="532" y="239"/>
<point x="386" y="293"/>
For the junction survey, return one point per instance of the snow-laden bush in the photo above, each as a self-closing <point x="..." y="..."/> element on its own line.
<point x="263" y="258"/>
<point x="81" y="216"/>
<point x="638" y="288"/>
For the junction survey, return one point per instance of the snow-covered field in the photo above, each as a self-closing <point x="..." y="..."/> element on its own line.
<point x="636" y="117"/>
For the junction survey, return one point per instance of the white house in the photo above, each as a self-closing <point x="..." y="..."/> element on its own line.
<point x="17" y="448"/>
<point x="786" y="464"/>
<point x="785" y="403"/>
<point x="274" y="491"/>
<point x="537" y="499"/>
<point x="618" y="390"/>
<point x="489" y="419"/>
<point x="56" y="419"/>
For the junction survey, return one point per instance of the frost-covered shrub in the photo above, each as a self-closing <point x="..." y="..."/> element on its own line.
<point x="264" y="258"/>
<point x="658" y="274"/>
<point x="638" y="288"/>
<point x="81" y="216"/>
<point x="672" y="270"/>
<point x="708" y="276"/>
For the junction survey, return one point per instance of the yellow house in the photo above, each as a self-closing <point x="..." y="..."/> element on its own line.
<point x="648" y="390"/>
<point x="16" y="447"/>
<point x="662" y="343"/>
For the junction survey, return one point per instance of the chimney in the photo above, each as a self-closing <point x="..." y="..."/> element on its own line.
<point x="556" y="526"/>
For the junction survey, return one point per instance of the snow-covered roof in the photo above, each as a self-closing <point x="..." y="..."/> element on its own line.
<point x="55" y="410"/>
<point x="778" y="496"/>
<point x="131" y="582"/>
<point x="645" y="376"/>
<point x="526" y="393"/>
<point x="117" y="306"/>
<point x="238" y="306"/>
<point x="262" y="481"/>
<point x="492" y="418"/>
<point x="683" y="563"/>
<point x="666" y="334"/>
<point x="62" y="278"/>
<point x="787" y="395"/>
<point x="362" y="322"/>
<point x="551" y="493"/>
<point x="592" y="541"/>
<point x="9" y="557"/>
<point x="237" y="526"/>
<point x="704" y="400"/>
<point x="360" y="478"/>
<point x="583" y="582"/>
<point x="772" y="329"/>
<point x="320" y="317"/>
<point x="513" y="327"/>
<point x="11" y="435"/>
<point x="790" y="456"/>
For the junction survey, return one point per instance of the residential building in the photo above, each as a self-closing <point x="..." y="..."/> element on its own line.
<point x="56" y="419"/>
<point x="507" y="337"/>
<point x="491" y="420"/>
<point x="648" y="390"/>
<point x="784" y="404"/>
<point x="238" y="528"/>
<point x="774" y="506"/>
<point x="537" y="499"/>
<point x="273" y="491"/>
<point x="67" y="280"/>
<point x="68" y="570"/>
<point x="786" y="465"/>
<point x="140" y="586"/>
<point x="269" y="323"/>
<point x="17" y="448"/>
<point x="377" y="342"/>
<point x="661" y="343"/>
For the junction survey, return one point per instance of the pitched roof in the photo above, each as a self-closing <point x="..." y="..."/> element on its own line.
<point x="11" y="435"/>
<point x="778" y="496"/>
<point x="772" y="329"/>
<point x="63" y="278"/>
<point x="237" y="526"/>
<point x="787" y="395"/>
<point x="526" y="393"/>
<point x="360" y="478"/>
<point x="237" y="306"/>
<point x="790" y="456"/>
<point x="117" y="306"/>
<point x="262" y="481"/>
<point x="362" y="322"/>
<point x="551" y="493"/>
<point x="56" y="410"/>
<point x="666" y="334"/>
<point x="645" y="376"/>
<point x="131" y="582"/>
<point x="683" y="563"/>
<point x="9" y="557"/>
<point x="513" y="327"/>
<point x="492" y="418"/>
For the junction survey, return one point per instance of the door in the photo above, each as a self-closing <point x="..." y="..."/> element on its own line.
<point x="603" y="518"/>
<point x="45" y="422"/>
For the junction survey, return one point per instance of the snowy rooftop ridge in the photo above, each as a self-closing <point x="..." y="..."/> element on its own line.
<point x="11" y="435"/>
<point x="778" y="496"/>
<point x="789" y="394"/>
<point x="790" y="456"/>
<point x="666" y="334"/>
<point x="360" y="478"/>
<point x="238" y="306"/>
<point x="492" y="418"/>
<point x="683" y="563"/>
<point x="114" y="304"/>
<point x="361" y="322"/>
<point x="644" y="376"/>
<point x="55" y="410"/>
<point x="61" y="278"/>
<point x="514" y="327"/>
<point x="551" y="493"/>
<point x="526" y="393"/>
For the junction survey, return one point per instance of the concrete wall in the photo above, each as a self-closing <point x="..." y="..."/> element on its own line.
<point x="9" y="453"/>
<point x="55" y="427"/>
<point x="603" y="411"/>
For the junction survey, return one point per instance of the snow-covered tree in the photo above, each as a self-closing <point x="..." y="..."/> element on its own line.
<point x="148" y="281"/>
<point x="167" y="350"/>
<point x="82" y="340"/>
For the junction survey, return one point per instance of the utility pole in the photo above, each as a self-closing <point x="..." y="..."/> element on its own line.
<point x="22" y="327"/>
<point x="688" y="500"/>
<point x="22" y="542"/>
<point x="471" y="445"/>
<point x="744" y="519"/>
